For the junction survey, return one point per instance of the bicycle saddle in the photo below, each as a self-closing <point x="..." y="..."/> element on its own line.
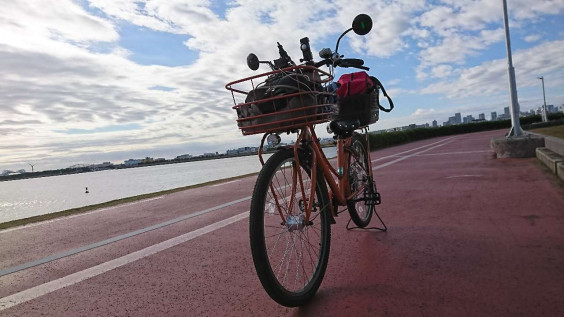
<point x="344" y="128"/>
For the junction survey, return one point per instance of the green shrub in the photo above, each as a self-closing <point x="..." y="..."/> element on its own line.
<point x="386" y="139"/>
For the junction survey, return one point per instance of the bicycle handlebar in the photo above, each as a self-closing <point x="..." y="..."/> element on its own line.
<point x="345" y="63"/>
<point x="352" y="62"/>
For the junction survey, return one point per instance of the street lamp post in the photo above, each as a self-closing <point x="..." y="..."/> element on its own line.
<point x="514" y="106"/>
<point x="543" y="111"/>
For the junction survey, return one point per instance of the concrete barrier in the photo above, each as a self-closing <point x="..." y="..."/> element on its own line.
<point x="549" y="158"/>
<point x="520" y="146"/>
<point x="554" y="144"/>
<point x="560" y="170"/>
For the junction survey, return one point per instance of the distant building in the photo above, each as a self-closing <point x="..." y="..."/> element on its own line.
<point x="505" y="115"/>
<point x="147" y="160"/>
<point x="482" y="116"/>
<point x="6" y="172"/>
<point x="468" y="119"/>
<point x="242" y="150"/>
<point x="452" y="120"/>
<point x="104" y="165"/>
<point x="132" y="162"/>
<point x="435" y="125"/>
<point x="183" y="157"/>
<point x="494" y="115"/>
<point x="457" y="118"/>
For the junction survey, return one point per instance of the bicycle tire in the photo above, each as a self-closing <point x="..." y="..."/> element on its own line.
<point x="314" y="240"/>
<point x="360" y="212"/>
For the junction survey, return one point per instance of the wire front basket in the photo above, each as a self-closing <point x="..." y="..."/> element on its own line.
<point x="283" y="100"/>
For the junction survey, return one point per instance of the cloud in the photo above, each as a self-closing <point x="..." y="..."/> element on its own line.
<point x="61" y="20"/>
<point x="441" y="71"/>
<point x="532" y="38"/>
<point x="460" y="29"/>
<point x="490" y="78"/>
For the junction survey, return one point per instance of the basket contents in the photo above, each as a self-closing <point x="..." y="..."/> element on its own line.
<point x="285" y="100"/>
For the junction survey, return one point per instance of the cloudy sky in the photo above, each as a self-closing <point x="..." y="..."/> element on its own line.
<point x="106" y="80"/>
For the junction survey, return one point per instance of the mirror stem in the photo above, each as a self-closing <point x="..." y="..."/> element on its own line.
<point x="339" y="40"/>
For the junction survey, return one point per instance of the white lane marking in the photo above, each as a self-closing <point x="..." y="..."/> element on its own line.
<point x="31" y="225"/>
<point x="231" y="182"/>
<point x="408" y="156"/>
<point x="458" y="176"/>
<point x="451" y="153"/>
<point x="414" y="149"/>
<point x="69" y="280"/>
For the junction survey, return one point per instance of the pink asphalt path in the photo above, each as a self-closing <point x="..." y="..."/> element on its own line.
<point x="468" y="235"/>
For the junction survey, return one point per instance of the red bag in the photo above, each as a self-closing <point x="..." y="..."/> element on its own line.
<point x="354" y="84"/>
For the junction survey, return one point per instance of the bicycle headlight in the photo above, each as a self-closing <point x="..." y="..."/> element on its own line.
<point x="273" y="139"/>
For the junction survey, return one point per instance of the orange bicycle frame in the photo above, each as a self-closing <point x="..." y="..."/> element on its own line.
<point x="339" y="188"/>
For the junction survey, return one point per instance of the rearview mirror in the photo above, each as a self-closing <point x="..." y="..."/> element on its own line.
<point x="362" y="24"/>
<point x="253" y="61"/>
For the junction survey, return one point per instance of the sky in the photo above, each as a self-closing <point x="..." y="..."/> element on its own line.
<point x="90" y="81"/>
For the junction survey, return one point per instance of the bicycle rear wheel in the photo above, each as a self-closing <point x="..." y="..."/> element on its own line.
<point x="290" y="256"/>
<point x="360" y="180"/>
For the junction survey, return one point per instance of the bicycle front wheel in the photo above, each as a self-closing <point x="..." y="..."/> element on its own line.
<point x="290" y="255"/>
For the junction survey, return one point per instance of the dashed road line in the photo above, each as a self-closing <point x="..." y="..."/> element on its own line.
<point x="414" y="149"/>
<point x="408" y="156"/>
<point x="454" y="153"/>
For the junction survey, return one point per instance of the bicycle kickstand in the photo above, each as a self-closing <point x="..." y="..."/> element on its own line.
<point x="375" y="202"/>
<point x="384" y="228"/>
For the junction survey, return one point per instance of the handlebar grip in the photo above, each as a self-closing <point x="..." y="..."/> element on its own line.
<point x="353" y="61"/>
<point x="345" y="64"/>
<point x="323" y="63"/>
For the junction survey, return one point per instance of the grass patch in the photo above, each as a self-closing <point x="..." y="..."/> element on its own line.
<point x="557" y="131"/>
<point x="111" y="203"/>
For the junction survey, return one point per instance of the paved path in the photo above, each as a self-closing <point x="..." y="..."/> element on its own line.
<point x="468" y="235"/>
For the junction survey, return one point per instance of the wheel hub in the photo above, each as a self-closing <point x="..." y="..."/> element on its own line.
<point x="295" y="222"/>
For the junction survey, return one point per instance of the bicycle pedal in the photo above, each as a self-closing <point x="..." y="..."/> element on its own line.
<point x="377" y="199"/>
<point x="374" y="200"/>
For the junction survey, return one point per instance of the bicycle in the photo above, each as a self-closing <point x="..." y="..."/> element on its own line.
<point x="291" y="207"/>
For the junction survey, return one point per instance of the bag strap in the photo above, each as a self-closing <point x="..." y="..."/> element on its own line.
<point x="379" y="84"/>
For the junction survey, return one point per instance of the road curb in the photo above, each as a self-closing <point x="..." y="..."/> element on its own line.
<point x="552" y="154"/>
